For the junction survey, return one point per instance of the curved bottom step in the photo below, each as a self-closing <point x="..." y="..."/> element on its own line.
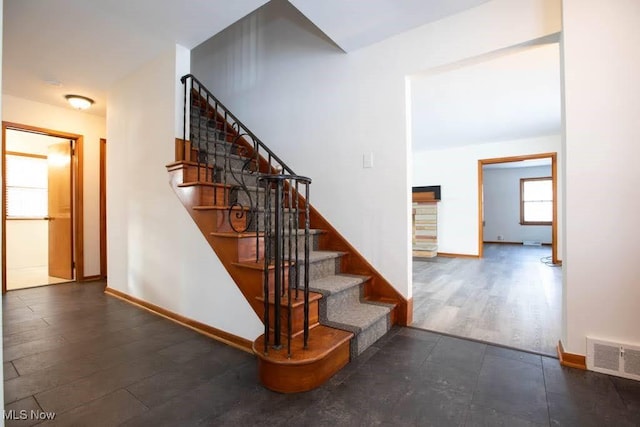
<point x="306" y="369"/>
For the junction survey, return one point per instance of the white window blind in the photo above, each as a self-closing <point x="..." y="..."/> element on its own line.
<point x="26" y="181"/>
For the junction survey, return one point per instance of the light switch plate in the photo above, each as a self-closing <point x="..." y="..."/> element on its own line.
<point x="367" y="160"/>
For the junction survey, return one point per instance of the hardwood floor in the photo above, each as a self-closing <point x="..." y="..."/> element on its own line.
<point x="509" y="297"/>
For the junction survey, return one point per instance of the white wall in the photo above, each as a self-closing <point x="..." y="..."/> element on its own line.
<point x="92" y="127"/>
<point x="502" y="205"/>
<point x="456" y="171"/>
<point x="321" y="109"/>
<point x="602" y="106"/>
<point x="155" y="250"/>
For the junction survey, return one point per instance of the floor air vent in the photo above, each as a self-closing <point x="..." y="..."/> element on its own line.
<point x="612" y="358"/>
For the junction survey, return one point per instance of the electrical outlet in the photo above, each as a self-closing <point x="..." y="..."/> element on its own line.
<point x="500" y="237"/>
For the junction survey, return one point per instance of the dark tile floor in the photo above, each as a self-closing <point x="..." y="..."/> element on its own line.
<point x="95" y="360"/>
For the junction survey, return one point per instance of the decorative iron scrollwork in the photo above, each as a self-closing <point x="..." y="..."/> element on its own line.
<point x="261" y="193"/>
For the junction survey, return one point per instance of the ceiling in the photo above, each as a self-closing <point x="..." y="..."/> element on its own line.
<point x="512" y="96"/>
<point x="57" y="47"/>
<point x="357" y="23"/>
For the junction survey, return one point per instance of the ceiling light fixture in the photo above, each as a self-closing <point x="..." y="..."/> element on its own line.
<point x="79" y="102"/>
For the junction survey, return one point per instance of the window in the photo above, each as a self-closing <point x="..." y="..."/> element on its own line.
<point x="536" y="201"/>
<point x="26" y="178"/>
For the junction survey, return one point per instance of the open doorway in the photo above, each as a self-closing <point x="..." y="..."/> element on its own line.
<point x="483" y="112"/>
<point x="510" y="294"/>
<point x="42" y="213"/>
<point x="521" y="203"/>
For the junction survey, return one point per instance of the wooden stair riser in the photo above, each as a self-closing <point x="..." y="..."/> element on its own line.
<point x="219" y="220"/>
<point x="199" y="194"/>
<point x="184" y="152"/>
<point x="296" y="312"/>
<point x="257" y="275"/>
<point x="245" y="249"/>
<point x="248" y="250"/>
<point x="207" y="220"/>
<point x="237" y="177"/>
<point x="300" y="240"/>
<point x="192" y="173"/>
<point x="251" y="249"/>
<point x="214" y="196"/>
<point x="203" y="173"/>
<point x="198" y="174"/>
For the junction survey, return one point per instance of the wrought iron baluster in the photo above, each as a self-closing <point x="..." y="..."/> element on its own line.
<point x="199" y="143"/>
<point x="226" y="161"/>
<point x="289" y="264"/>
<point x="306" y="266"/>
<point x="296" y="228"/>
<point x="267" y="260"/>
<point x="209" y="142"/>
<point x="236" y="140"/>
<point x="278" y="263"/>
<point x="184" y="122"/>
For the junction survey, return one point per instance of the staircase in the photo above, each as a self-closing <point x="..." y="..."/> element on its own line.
<point x="322" y="304"/>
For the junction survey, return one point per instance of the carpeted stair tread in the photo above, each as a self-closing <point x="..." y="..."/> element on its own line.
<point x="315" y="256"/>
<point x="360" y="315"/>
<point x="334" y="284"/>
<point x="300" y="232"/>
<point x="233" y="234"/>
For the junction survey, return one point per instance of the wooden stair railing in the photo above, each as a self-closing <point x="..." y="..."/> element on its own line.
<point x="217" y="176"/>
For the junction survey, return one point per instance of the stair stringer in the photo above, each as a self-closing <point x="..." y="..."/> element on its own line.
<point x="377" y="289"/>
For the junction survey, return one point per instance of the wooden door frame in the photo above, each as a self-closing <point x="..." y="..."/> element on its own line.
<point x="103" y="208"/>
<point x="554" y="184"/>
<point x="77" y="202"/>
